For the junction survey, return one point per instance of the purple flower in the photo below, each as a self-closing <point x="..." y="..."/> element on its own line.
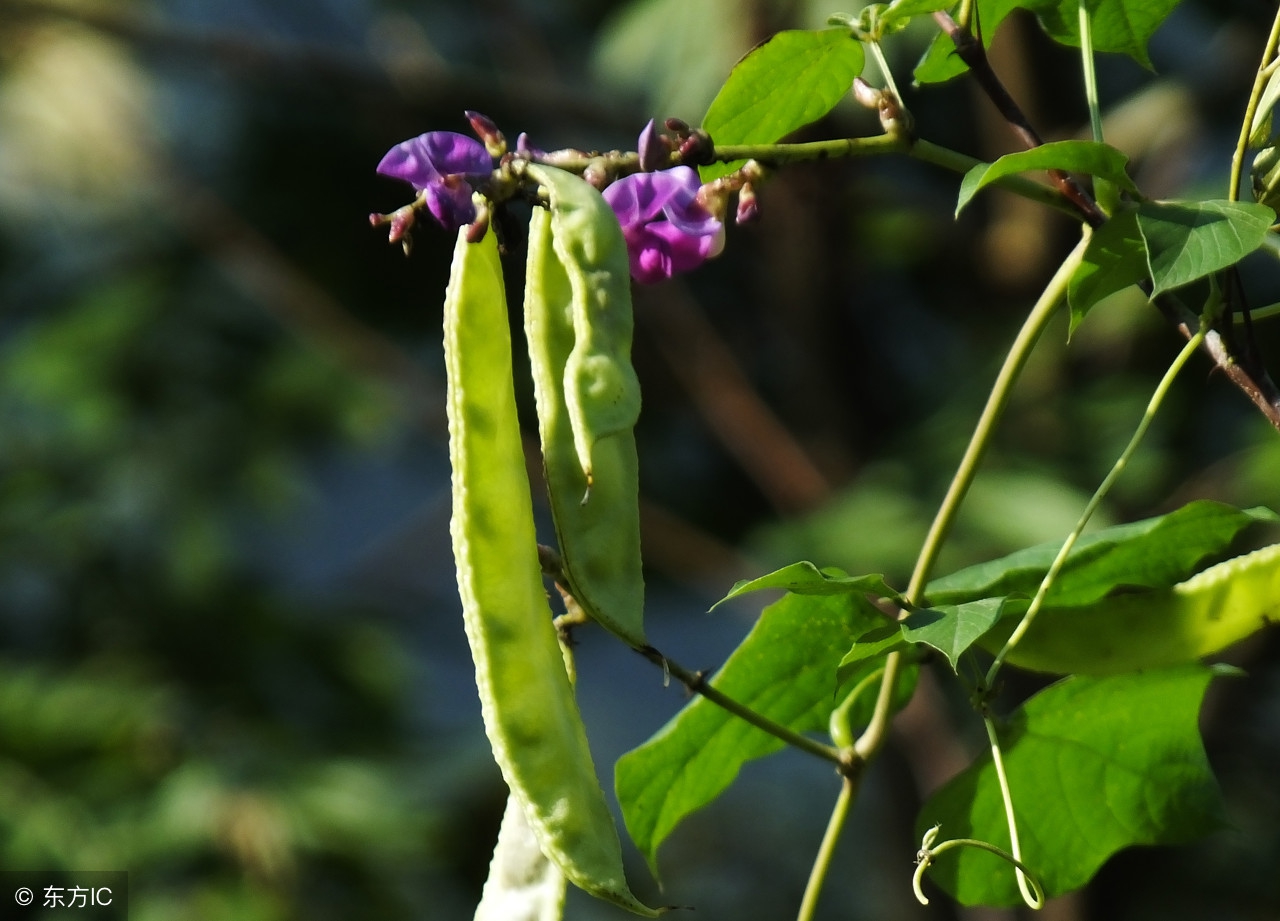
<point x="442" y="165"/>
<point x="666" y="229"/>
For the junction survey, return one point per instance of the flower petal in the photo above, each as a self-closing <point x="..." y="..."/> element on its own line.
<point x="449" y="201"/>
<point x="429" y="157"/>
<point x="641" y="197"/>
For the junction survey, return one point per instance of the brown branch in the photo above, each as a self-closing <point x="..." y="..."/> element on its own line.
<point x="974" y="55"/>
<point x="1246" y="373"/>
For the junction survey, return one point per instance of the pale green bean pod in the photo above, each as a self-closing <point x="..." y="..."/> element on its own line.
<point x="526" y="697"/>
<point x="578" y="323"/>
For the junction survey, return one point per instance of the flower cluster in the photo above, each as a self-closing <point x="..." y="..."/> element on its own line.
<point x="667" y="227"/>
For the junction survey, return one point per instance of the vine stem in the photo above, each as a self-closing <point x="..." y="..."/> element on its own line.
<point x="1153" y="406"/>
<point x="1016" y="359"/>
<point x="1251" y="110"/>
<point x="878" y="53"/>
<point x="1090" y="72"/>
<point x="697" y="683"/>
<point x="928" y="852"/>
<point x="1033" y="899"/>
<point x="916" y="148"/>
<point x="822" y="862"/>
<point x="838" y="148"/>
<point x="998" y="399"/>
<point x="1036" y="899"/>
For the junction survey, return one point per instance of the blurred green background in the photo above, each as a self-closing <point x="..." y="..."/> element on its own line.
<point x="231" y="655"/>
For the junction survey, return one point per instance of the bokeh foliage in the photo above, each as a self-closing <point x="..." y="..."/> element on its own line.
<point x="226" y="619"/>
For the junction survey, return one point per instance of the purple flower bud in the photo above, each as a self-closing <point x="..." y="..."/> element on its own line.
<point x="442" y="165"/>
<point x="748" y="205"/>
<point x="654" y="148"/>
<point x="666" y="229"/>
<point x="488" y="133"/>
<point x="525" y="147"/>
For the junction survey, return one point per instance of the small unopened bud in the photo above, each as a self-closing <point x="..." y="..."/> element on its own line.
<point x="748" y="205"/>
<point x="494" y="143"/>
<point x="867" y="95"/>
<point x="894" y="118"/>
<point x="753" y="171"/>
<point x="399" y="223"/>
<point x="597" y="173"/>
<point x="654" y="148"/>
<point x="696" y="149"/>
<point x="678" y="125"/>
<point x="714" y="196"/>
<point x="479" y="227"/>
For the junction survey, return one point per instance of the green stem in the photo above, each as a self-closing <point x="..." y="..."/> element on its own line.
<point x="1031" y="895"/>
<point x="1257" y="313"/>
<point x="925" y="151"/>
<point x="873" y="736"/>
<point x="782" y="154"/>
<point x="822" y="863"/>
<point x="1014" y="362"/>
<point x="1090" y="73"/>
<point x="1251" y="110"/>
<point x="698" y="684"/>
<point x="878" y="53"/>
<point x="928" y="853"/>
<point x="1153" y="406"/>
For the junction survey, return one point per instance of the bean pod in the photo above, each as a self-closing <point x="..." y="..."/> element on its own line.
<point x="526" y="697"/>
<point x="578" y="323"/>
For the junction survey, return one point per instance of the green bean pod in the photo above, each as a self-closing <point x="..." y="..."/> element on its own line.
<point x="601" y="390"/>
<point x="526" y="697"/>
<point x="578" y="324"/>
<point x="523" y="885"/>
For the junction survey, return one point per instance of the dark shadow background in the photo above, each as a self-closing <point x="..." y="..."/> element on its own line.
<point x="231" y="656"/>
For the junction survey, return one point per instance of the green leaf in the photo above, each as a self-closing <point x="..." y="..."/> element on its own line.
<point x="902" y="10"/>
<point x="1094" y="765"/>
<point x="1153" y="553"/>
<point x="1156" y="628"/>
<point x="1115" y="259"/>
<point x="1189" y="240"/>
<point x="874" y="644"/>
<point x="790" y="80"/>
<point x="951" y="629"/>
<point x="941" y="63"/>
<point x="1120" y="26"/>
<point x="805" y="578"/>
<point x="784" y="669"/>
<point x="1087" y="157"/>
